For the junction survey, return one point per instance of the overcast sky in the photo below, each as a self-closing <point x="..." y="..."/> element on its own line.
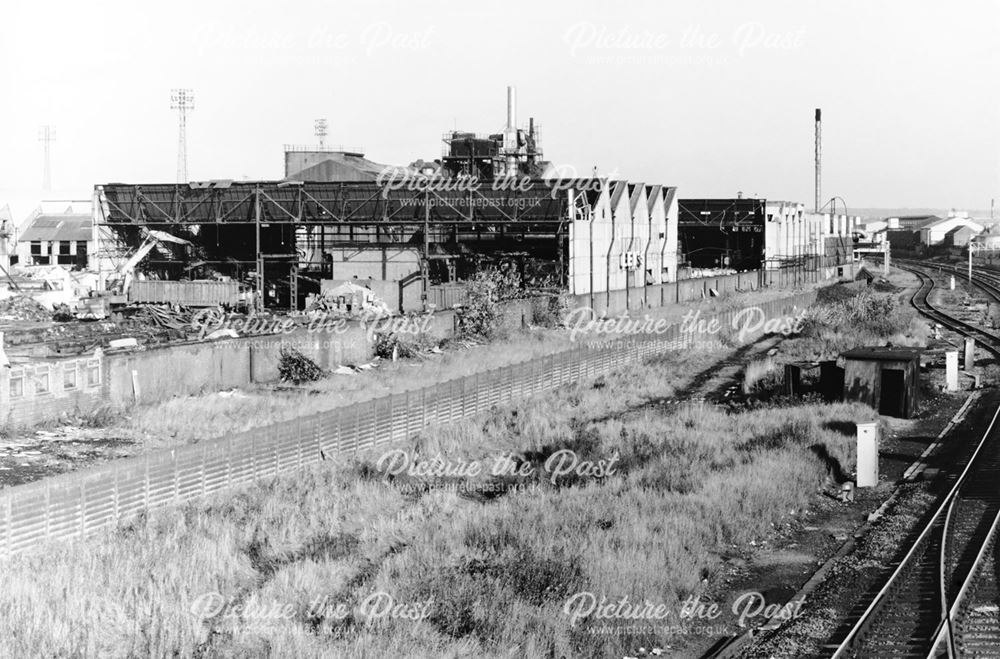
<point x="713" y="97"/>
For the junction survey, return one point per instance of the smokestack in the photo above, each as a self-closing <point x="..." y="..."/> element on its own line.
<point x="819" y="177"/>
<point x="511" y="107"/>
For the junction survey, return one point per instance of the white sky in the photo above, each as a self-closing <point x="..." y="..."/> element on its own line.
<point x="714" y="97"/>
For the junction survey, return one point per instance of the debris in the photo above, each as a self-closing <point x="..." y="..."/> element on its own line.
<point x="22" y="307"/>
<point x="123" y="343"/>
<point x="295" y="367"/>
<point x="344" y="370"/>
<point x="347" y="299"/>
<point x="222" y="334"/>
<point x="987" y="608"/>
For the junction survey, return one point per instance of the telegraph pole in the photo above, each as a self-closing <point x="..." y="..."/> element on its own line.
<point x="182" y="100"/>
<point x="47" y="135"/>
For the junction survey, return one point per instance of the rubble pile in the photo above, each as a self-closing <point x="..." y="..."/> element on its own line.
<point x="22" y="307"/>
<point x="295" y="367"/>
<point x="347" y="299"/>
<point x="164" y="318"/>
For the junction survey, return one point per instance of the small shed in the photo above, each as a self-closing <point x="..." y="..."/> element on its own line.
<point x="885" y="378"/>
<point x="865" y="276"/>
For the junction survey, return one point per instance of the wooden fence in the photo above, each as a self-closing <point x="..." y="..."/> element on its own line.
<point x="74" y="504"/>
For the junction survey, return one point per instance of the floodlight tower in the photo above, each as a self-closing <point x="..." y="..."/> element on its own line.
<point x="47" y="135"/>
<point x="320" y="130"/>
<point x="182" y="100"/>
<point x="819" y="158"/>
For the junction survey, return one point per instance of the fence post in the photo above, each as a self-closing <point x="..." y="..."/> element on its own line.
<point x="48" y="509"/>
<point x="83" y="507"/>
<point x="9" y="526"/>
<point x="116" y="493"/>
<point x="357" y="427"/>
<point x="298" y="444"/>
<point x="145" y="481"/>
<point x="204" y="458"/>
<point x="177" y="477"/>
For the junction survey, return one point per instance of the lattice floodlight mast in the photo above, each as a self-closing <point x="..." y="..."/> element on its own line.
<point x="182" y="100"/>
<point x="47" y="135"/>
<point x="819" y="158"/>
<point x="320" y="130"/>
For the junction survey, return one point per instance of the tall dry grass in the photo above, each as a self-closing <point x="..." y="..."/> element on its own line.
<point x="692" y="484"/>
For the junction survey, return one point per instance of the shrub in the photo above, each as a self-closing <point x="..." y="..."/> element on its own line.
<point x="295" y="367"/>
<point x="550" y="310"/>
<point x="481" y="317"/>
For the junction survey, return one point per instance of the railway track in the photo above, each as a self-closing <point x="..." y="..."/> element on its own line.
<point x="942" y="598"/>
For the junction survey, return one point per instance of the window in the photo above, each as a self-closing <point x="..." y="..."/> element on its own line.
<point x="38" y="257"/>
<point x="16" y="385"/>
<point x="42" y="381"/>
<point x="93" y="375"/>
<point x="69" y="376"/>
<point x="66" y="256"/>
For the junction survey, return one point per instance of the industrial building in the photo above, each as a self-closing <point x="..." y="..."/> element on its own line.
<point x="57" y="238"/>
<point x="749" y="234"/>
<point x="412" y="234"/>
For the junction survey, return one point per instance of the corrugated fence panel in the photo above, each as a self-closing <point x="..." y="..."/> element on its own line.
<point x="75" y="504"/>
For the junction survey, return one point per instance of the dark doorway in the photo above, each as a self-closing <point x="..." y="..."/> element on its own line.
<point x="892" y="399"/>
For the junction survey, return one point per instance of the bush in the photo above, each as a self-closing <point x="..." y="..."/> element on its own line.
<point x="481" y="317"/>
<point x="550" y="310"/>
<point x="393" y="345"/>
<point x="295" y="367"/>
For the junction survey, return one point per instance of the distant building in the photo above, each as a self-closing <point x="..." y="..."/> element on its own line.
<point x="317" y="164"/>
<point x="910" y="221"/>
<point x="935" y="232"/>
<point x="960" y="236"/>
<point x="56" y="239"/>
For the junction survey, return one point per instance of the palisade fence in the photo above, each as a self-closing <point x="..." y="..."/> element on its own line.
<point x="75" y="504"/>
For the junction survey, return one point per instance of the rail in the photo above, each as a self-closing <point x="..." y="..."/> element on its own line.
<point x="938" y="534"/>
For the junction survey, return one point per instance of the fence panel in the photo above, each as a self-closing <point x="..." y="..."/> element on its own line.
<point x="73" y="505"/>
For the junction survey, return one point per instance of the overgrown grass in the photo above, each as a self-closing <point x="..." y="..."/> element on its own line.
<point x="494" y="565"/>
<point x="187" y="419"/>
<point x="851" y="319"/>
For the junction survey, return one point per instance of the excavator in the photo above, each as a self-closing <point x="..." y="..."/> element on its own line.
<point x="98" y="306"/>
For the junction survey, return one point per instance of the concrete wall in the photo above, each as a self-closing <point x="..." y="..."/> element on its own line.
<point x="39" y="391"/>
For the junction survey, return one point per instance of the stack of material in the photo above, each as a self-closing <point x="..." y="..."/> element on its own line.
<point x="347" y="299"/>
<point x="163" y="318"/>
<point x="22" y="307"/>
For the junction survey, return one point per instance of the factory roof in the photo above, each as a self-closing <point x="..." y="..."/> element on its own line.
<point x="337" y="166"/>
<point x="958" y="221"/>
<point x="59" y="226"/>
<point x="882" y="353"/>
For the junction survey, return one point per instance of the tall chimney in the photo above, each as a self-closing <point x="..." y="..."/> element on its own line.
<point x="511" y="107"/>
<point x="819" y="178"/>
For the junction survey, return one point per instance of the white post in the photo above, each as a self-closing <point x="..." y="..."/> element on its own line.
<point x="136" y="393"/>
<point x="951" y="370"/>
<point x="970" y="261"/>
<point x="953" y="282"/>
<point x="970" y="355"/>
<point x="867" y="454"/>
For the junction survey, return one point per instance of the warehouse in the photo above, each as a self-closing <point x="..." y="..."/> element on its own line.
<point x="283" y="238"/>
<point x="725" y="234"/>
